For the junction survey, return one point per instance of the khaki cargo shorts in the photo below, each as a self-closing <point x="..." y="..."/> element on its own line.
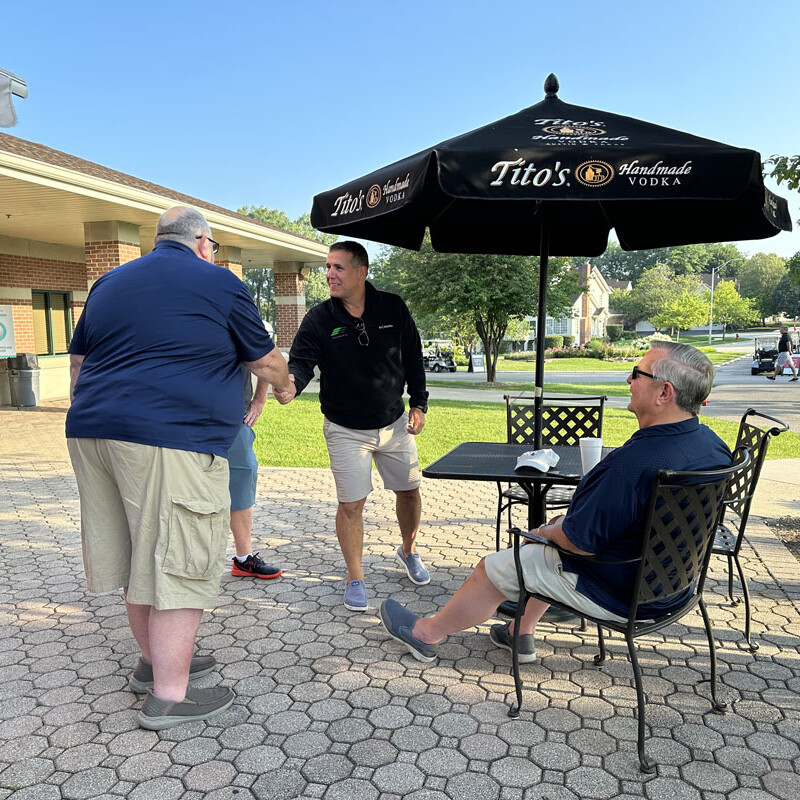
<point x="153" y="519"/>
<point x="352" y="451"/>
<point x="543" y="573"/>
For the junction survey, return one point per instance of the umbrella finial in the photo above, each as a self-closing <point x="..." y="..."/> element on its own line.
<point x="551" y="86"/>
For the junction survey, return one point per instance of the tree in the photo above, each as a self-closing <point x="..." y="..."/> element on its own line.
<point x="758" y="277"/>
<point x="793" y="268"/>
<point x="485" y="289"/>
<point x="785" y="169"/>
<point x="316" y="287"/>
<point x="786" y="297"/>
<point x="730" y="308"/>
<point x="650" y="294"/>
<point x="624" y="265"/>
<point x="517" y="330"/>
<point x="261" y="284"/>
<point x="301" y="226"/>
<point x="682" y="311"/>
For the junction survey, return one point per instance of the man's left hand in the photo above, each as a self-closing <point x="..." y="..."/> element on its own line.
<point x="256" y="407"/>
<point x="416" y="421"/>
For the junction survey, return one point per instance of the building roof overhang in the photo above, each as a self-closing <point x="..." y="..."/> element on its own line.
<point x="47" y="196"/>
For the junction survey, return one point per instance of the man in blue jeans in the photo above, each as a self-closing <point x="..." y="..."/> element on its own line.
<point x="243" y="483"/>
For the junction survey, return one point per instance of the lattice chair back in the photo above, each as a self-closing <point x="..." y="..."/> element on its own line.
<point x="564" y="422"/>
<point x="684" y="510"/>
<point x="740" y="491"/>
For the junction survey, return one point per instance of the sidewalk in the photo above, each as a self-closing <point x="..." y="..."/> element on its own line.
<point x="329" y="707"/>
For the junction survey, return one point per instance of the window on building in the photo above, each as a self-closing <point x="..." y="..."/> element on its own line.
<point x="52" y="322"/>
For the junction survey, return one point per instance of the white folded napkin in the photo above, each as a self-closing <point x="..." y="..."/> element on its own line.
<point x="538" y="459"/>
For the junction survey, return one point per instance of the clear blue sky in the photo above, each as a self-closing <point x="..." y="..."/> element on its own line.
<point x="270" y="102"/>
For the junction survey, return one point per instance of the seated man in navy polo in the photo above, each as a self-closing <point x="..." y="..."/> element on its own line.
<point x="604" y="519"/>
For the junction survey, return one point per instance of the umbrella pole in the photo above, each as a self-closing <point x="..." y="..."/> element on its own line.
<point x="541" y="322"/>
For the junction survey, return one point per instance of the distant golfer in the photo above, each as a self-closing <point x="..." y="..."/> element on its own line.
<point x="784" y="356"/>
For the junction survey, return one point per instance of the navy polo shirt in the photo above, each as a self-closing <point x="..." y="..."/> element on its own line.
<point x="163" y="338"/>
<point x="607" y="512"/>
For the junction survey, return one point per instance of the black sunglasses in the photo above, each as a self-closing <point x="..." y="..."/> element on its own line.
<point x="636" y="372"/>
<point x="214" y="245"/>
<point x="363" y="336"/>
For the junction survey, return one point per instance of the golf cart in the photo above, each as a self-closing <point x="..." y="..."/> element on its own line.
<point x="437" y="356"/>
<point x="766" y="351"/>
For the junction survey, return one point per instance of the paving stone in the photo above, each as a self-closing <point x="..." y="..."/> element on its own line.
<point x="210" y="775"/>
<point x="398" y="779"/>
<point x="373" y="753"/>
<point x="443" y="763"/>
<point x="350" y="789"/>
<point x="88" y="783"/>
<point x="158" y="789"/>
<point x="476" y="787"/>
<point x="261" y="759"/>
<point x="282" y="784"/>
<point x="327" y="769"/>
<point x="194" y="751"/>
<point x="29" y="772"/>
<point x="306" y="745"/>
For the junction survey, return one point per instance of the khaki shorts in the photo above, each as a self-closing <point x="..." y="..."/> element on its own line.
<point x="544" y="574"/>
<point x="153" y="519"/>
<point x="352" y="451"/>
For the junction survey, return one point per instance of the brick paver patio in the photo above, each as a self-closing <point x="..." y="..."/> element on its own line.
<point x="329" y="707"/>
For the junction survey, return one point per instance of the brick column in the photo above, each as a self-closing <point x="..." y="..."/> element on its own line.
<point x="107" y="245"/>
<point x="231" y="259"/>
<point x="290" y="301"/>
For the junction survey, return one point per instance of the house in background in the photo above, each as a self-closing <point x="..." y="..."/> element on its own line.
<point x="65" y="221"/>
<point x="589" y="314"/>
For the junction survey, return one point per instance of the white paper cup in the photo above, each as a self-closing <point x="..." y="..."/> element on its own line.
<point x="591" y="453"/>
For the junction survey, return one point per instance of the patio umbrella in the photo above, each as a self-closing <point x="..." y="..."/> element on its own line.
<point x="555" y="179"/>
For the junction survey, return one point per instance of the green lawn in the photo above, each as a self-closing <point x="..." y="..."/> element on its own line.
<point x="591" y="364"/>
<point x="291" y="436"/>
<point x="619" y="389"/>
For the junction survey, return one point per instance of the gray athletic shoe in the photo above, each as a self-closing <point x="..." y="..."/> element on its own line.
<point x="399" y="622"/>
<point x="141" y="678"/>
<point x="157" y="714"/>
<point x="502" y="637"/>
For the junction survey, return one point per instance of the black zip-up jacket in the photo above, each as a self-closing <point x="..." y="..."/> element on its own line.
<point x="361" y="384"/>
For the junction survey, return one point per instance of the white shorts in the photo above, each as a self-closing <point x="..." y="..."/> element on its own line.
<point x="544" y="574"/>
<point x="352" y="451"/>
<point x="783" y="359"/>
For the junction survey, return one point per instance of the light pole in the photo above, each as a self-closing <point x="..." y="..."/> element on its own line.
<point x="711" y="310"/>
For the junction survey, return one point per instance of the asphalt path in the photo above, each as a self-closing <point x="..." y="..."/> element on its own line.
<point x="735" y="389"/>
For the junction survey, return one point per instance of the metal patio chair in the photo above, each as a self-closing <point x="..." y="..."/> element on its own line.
<point x="565" y="421"/>
<point x="682" y="515"/>
<point x="730" y="532"/>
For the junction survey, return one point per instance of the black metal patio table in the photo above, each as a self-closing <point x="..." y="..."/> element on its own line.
<point x="496" y="462"/>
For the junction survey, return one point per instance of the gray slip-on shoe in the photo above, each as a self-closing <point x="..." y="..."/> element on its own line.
<point x="199" y="704"/>
<point x="141" y="678"/>
<point x="502" y="637"/>
<point x="399" y="622"/>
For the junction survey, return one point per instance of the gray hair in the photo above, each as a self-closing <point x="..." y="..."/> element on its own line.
<point x="182" y="225"/>
<point x="688" y="370"/>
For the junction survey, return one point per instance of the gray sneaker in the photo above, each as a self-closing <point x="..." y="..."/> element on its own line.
<point x="141" y="678"/>
<point x="157" y="714"/>
<point x="502" y="637"/>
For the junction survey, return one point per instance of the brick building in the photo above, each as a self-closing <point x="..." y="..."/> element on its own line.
<point x="65" y="221"/>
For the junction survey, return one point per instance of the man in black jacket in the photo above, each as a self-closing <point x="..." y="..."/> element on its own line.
<point x="367" y="348"/>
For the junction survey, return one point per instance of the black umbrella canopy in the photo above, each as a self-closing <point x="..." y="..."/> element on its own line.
<point x="570" y="172"/>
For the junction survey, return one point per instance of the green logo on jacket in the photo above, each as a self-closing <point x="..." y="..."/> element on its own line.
<point x="337" y="333"/>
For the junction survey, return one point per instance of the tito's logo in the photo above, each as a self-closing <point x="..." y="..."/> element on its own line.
<point x="594" y="173"/>
<point x="373" y="195"/>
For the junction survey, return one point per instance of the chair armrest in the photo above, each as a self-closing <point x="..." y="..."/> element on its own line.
<point x="534" y="537"/>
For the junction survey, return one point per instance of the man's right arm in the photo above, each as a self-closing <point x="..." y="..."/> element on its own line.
<point x="305" y="354"/>
<point x="272" y="368"/>
<point x="75" y="363"/>
<point x="554" y="532"/>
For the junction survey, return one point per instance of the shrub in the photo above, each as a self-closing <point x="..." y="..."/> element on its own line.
<point x="522" y="355"/>
<point x="569" y="340"/>
<point x="614" y="332"/>
<point x="553" y="341"/>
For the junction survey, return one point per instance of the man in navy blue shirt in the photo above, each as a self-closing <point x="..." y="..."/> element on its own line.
<point x="605" y="517"/>
<point x="157" y="400"/>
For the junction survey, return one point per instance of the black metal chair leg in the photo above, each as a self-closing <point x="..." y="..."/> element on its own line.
<point x="716" y="705"/>
<point x="601" y="643"/>
<point x="513" y="712"/>
<point x="734" y="600"/>
<point x="646" y="763"/>
<point x="751" y="645"/>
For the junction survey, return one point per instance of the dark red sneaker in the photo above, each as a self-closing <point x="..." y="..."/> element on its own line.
<point x="254" y="567"/>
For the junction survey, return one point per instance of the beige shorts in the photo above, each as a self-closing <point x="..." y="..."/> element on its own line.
<point x="544" y="574"/>
<point x="351" y="451"/>
<point x="153" y="519"/>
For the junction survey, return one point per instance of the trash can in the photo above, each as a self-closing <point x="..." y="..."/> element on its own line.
<point x="23" y="379"/>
